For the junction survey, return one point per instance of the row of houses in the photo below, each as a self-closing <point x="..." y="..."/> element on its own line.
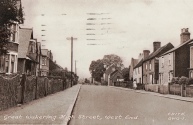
<point x="24" y="54"/>
<point x="165" y="62"/>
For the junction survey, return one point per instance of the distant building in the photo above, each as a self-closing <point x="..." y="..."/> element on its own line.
<point x="151" y="63"/>
<point x="115" y="76"/>
<point x="138" y="69"/>
<point x="108" y="71"/>
<point x="45" y="61"/>
<point x="176" y="62"/>
<point x="131" y="67"/>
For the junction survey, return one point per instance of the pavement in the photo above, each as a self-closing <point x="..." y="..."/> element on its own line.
<point x="176" y="97"/>
<point x="52" y="109"/>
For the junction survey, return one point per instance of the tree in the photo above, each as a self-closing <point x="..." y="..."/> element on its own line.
<point x="125" y="72"/>
<point x="112" y="59"/>
<point x="97" y="69"/>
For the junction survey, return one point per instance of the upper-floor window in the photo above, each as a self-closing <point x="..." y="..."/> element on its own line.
<point x="169" y="59"/>
<point x="14" y="32"/>
<point x="138" y="71"/>
<point x="150" y="65"/>
<point x="162" y="63"/>
<point x="146" y="66"/>
<point x="44" y="61"/>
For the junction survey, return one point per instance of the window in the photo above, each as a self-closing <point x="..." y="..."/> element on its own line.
<point x="169" y="60"/>
<point x="7" y="63"/>
<point x="138" y="71"/>
<point x="162" y="61"/>
<point x="146" y="66"/>
<point x="10" y="63"/>
<point x="43" y="60"/>
<point x="150" y="65"/>
<point x="13" y="28"/>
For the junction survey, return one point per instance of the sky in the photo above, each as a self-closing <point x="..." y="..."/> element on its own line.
<point x="121" y="27"/>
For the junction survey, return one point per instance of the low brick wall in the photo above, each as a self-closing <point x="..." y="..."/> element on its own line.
<point x="152" y="87"/>
<point x="163" y="89"/>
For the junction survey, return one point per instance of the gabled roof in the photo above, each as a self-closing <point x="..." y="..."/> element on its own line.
<point x="159" y="51"/>
<point x="116" y="71"/>
<point x="139" y="64"/>
<point x="174" y="49"/>
<point x="133" y="62"/>
<point x="24" y="39"/>
<point x="108" y="70"/>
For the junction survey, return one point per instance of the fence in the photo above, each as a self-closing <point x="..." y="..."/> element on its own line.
<point x="120" y="84"/>
<point x="15" y="89"/>
<point x="189" y="91"/>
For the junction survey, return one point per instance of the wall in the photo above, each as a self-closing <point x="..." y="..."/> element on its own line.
<point x="166" y="68"/>
<point x="182" y="61"/>
<point x="147" y="71"/>
<point x="137" y="74"/>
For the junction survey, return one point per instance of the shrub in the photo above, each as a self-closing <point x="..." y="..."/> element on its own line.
<point x="175" y="80"/>
<point x="190" y="81"/>
<point x="183" y="80"/>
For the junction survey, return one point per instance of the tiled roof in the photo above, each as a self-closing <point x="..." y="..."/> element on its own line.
<point x="24" y="39"/>
<point x="135" y="61"/>
<point x="113" y="73"/>
<point x="160" y="51"/>
<point x="178" y="47"/>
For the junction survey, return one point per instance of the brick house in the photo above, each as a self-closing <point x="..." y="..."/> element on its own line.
<point x="176" y="62"/>
<point x="151" y="63"/>
<point x="27" y="52"/>
<point x="131" y="67"/>
<point x="45" y="61"/>
<point x="138" y="69"/>
<point x="115" y="76"/>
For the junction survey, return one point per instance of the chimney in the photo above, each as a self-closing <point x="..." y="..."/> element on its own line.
<point x="156" y="45"/>
<point x="140" y="56"/>
<point x="185" y="35"/>
<point x="145" y="53"/>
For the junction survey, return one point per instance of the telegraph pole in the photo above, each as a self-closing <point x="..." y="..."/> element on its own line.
<point x="75" y="68"/>
<point x="71" y="38"/>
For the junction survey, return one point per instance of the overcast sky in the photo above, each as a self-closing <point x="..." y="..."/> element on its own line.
<point x="122" y="27"/>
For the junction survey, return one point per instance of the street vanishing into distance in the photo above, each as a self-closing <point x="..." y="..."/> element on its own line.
<point x="101" y="105"/>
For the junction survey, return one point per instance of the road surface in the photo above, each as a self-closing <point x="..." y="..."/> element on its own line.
<point x="102" y="105"/>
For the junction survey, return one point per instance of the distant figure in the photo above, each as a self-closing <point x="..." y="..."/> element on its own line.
<point x="134" y="84"/>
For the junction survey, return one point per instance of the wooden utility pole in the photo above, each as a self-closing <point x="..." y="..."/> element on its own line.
<point x="71" y="38"/>
<point x="75" y="68"/>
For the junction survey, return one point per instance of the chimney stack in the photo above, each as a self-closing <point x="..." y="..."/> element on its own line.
<point x="156" y="45"/>
<point x="145" y="53"/>
<point x="185" y="35"/>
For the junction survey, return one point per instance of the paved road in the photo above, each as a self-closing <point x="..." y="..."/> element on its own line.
<point x="48" y="110"/>
<point x="101" y="105"/>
